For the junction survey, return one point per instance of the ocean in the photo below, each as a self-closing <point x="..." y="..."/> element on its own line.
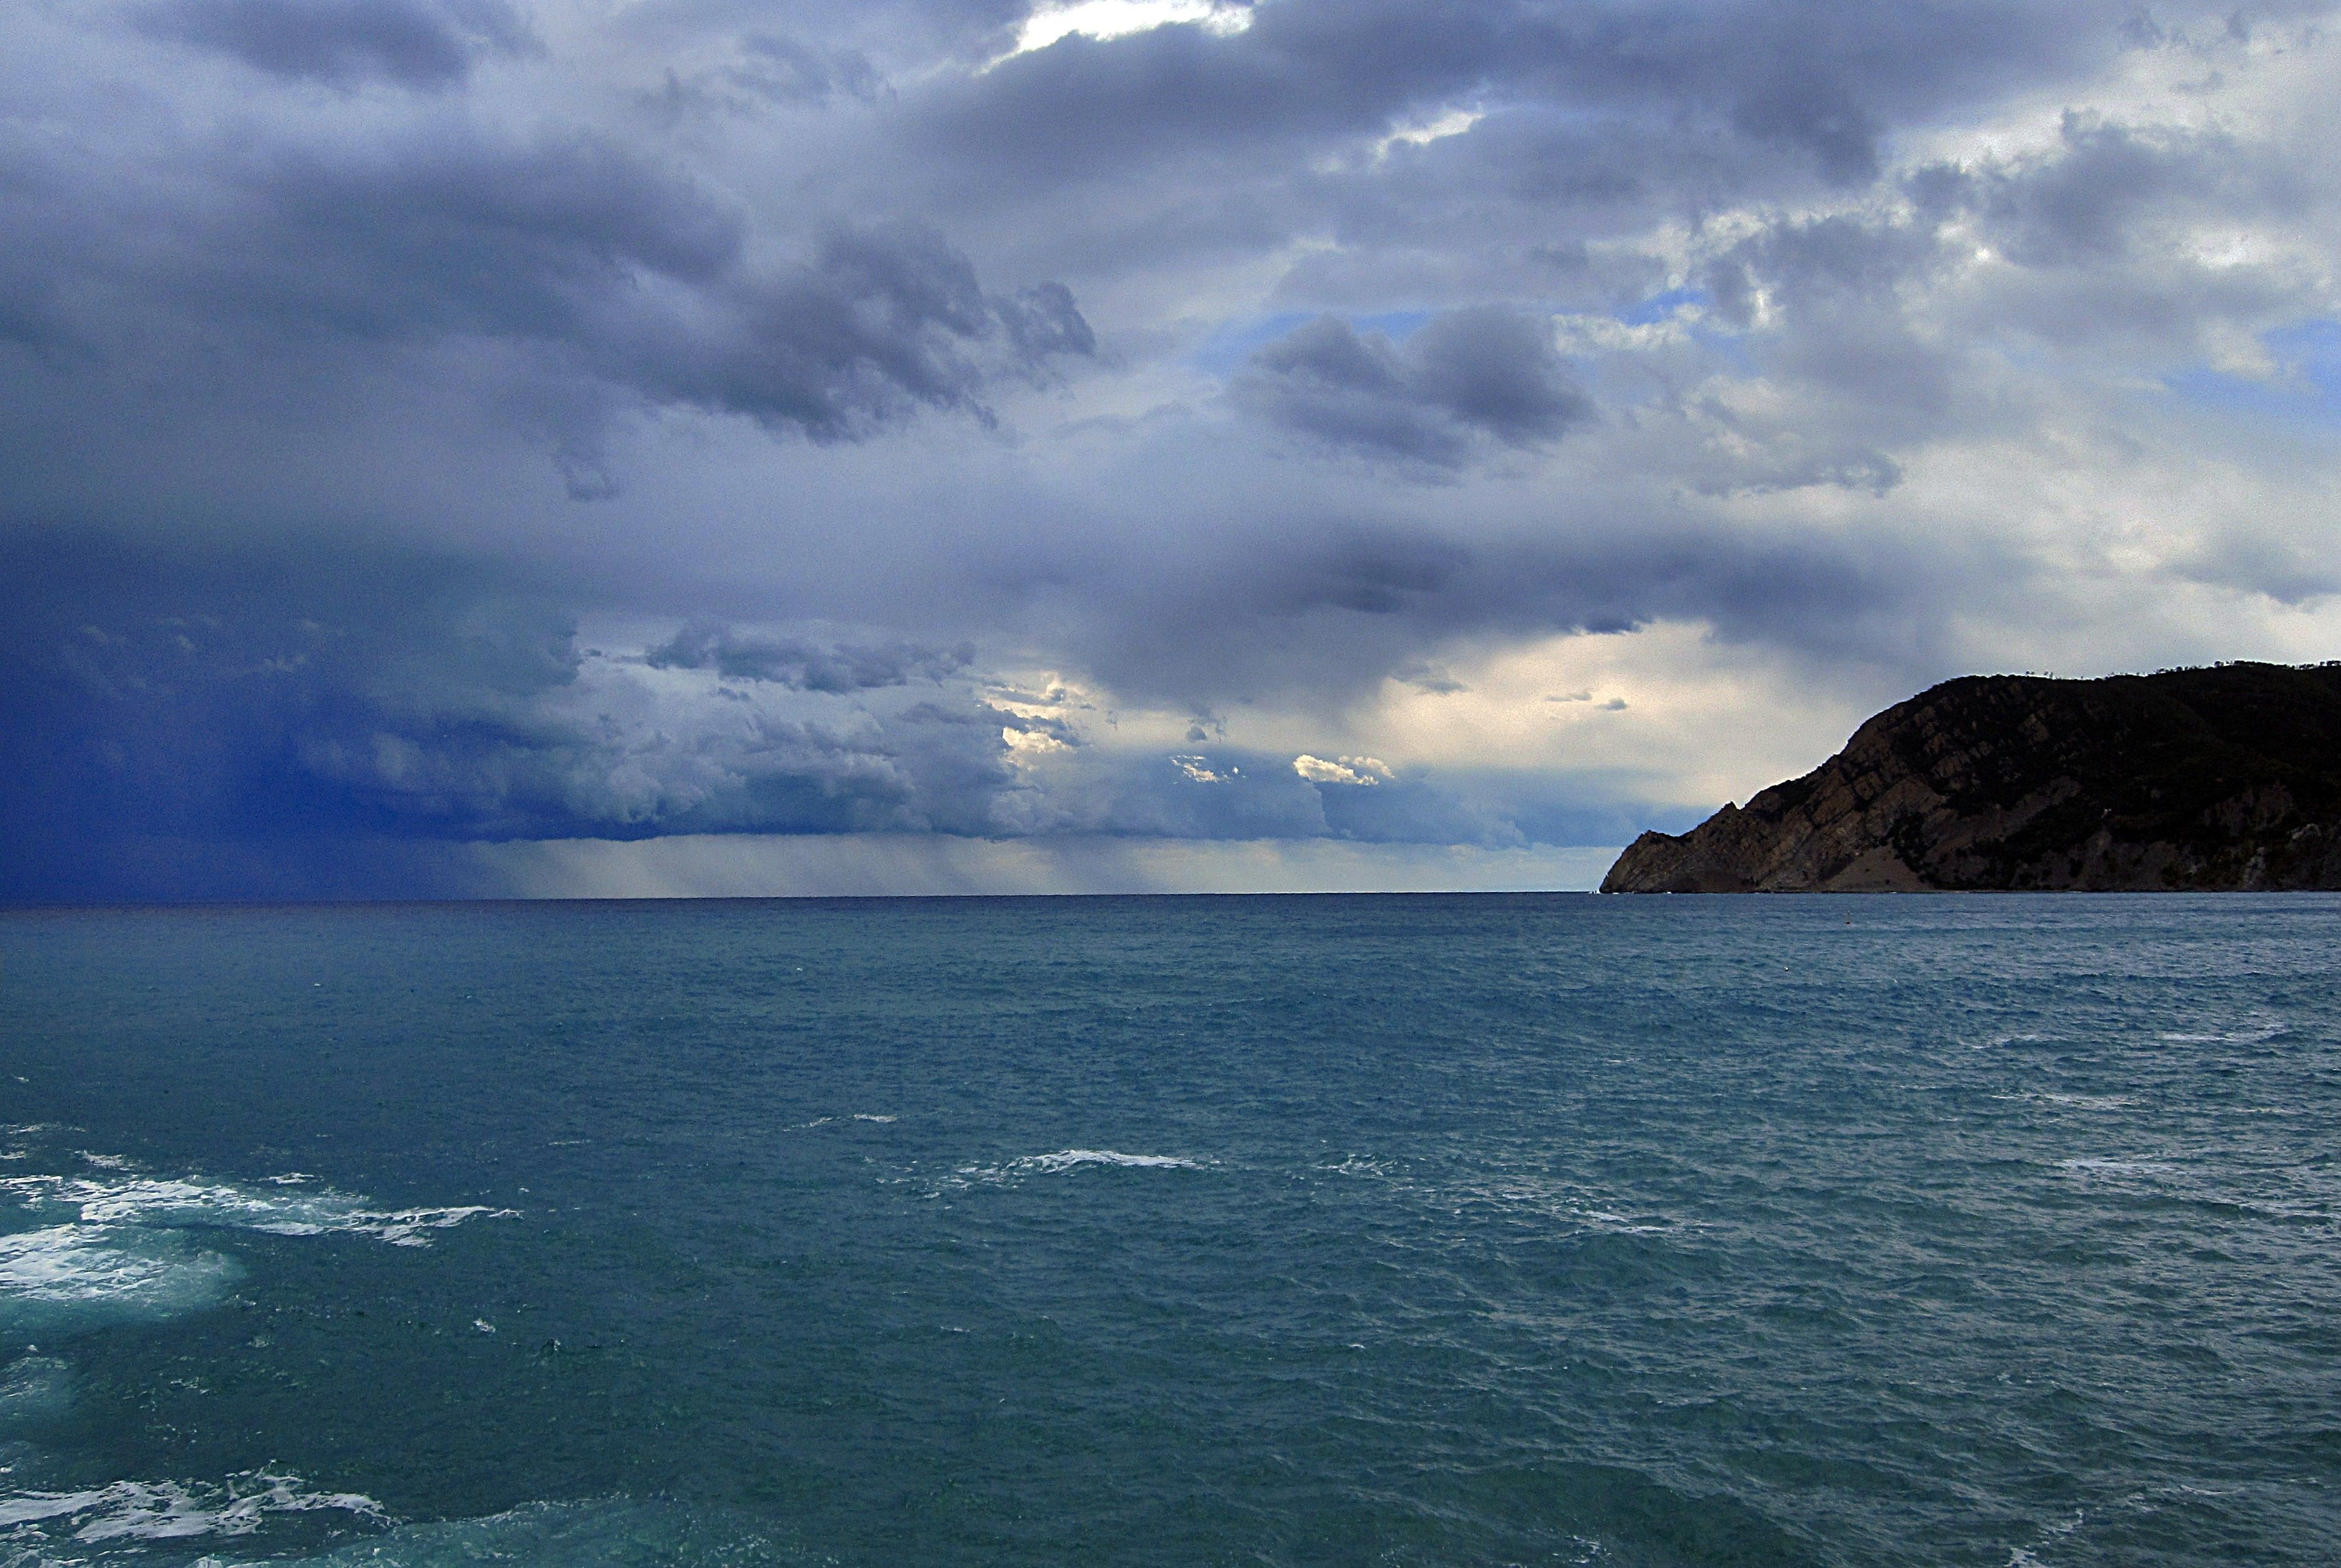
<point x="1403" y="1230"/>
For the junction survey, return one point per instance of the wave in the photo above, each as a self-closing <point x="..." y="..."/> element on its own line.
<point x="167" y="1510"/>
<point x="2257" y="1034"/>
<point x="2073" y="1102"/>
<point x="273" y="1517"/>
<point x="1066" y="1159"/>
<point x="1998" y="1042"/>
<point x="34" y="1388"/>
<point x="61" y="1276"/>
<point x="139" y="1200"/>
<point x="1072" y="1159"/>
<point x="611" y="1533"/>
<point x="2103" y="1167"/>
<point x="112" y="1244"/>
<point x="1565" y="1202"/>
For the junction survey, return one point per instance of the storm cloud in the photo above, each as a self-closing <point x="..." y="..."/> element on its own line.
<point x="417" y="44"/>
<point x="1462" y="376"/>
<point x="432" y="424"/>
<point x="805" y="665"/>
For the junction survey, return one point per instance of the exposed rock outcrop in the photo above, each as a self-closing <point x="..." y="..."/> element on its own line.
<point x="2220" y="778"/>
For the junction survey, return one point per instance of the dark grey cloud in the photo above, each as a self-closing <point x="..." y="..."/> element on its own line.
<point x="1317" y="614"/>
<point x="804" y="664"/>
<point x="890" y="33"/>
<point x="2103" y="190"/>
<point x="267" y="722"/>
<point x="297" y="703"/>
<point x="908" y="375"/>
<point x="1464" y="377"/>
<point x="413" y="43"/>
<point x="1043" y="320"/>
<point x="1668" y="107"/>
<point x="605" y="267"/>
<point x="785" y="70"/>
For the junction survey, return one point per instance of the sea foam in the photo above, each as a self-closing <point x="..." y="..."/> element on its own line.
<point x="168" y="1510"/>
<point x="1066" y="1159"/>
<point x="113" y="1243"/>
<point x="610" y="1533"/>
<point x="130" y="1199"/>
<point x="63" y="1275"/>
<point x="1013" y="1171"/>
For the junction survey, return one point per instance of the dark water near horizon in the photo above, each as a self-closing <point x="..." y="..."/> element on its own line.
<point x="1179" y="1231"/>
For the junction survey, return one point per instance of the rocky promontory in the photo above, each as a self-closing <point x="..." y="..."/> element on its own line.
<point x="2225" y="779"/>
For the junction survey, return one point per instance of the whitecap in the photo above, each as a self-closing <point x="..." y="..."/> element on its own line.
<point x="177" y="1201"/>
<point x="614" y="1533"/>
<point x="63" y="1275"/>
<point x="168" y="1511"/>
<point x="2117" y="1166"/>
<point x="115" y="1245"/>
<point x="1072" y="1159"/>
<point x="1066" y="1159"/>
<point x="1563" y="1202"/>
<point x="2257" y="1032"/>
<point x="1620" y="1223"/>
<point x="1999" y="1041"/>
<point x="2075" y="1102"/>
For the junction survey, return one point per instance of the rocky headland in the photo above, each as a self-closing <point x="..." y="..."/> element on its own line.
<point x="2224" y="778"/>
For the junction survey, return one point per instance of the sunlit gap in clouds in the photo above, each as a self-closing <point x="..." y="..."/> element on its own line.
<point x="1119" y="18"/>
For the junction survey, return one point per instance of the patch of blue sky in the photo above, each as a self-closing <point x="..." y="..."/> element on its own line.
<point x="1727" y="348"/>
<point x="2307" y="388"/>
<point x="1660" y="307"/>
<point x="1224" y="352"/>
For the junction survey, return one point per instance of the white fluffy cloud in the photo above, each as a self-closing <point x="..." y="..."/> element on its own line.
<point x="1345" y="771"/>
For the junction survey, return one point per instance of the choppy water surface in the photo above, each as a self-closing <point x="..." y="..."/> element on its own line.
<point x="1408" y="1231"/>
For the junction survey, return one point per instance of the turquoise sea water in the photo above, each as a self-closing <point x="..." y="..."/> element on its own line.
<point x="1397" y="1230"/>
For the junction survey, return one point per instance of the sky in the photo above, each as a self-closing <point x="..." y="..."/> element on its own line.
<point x="549" y="448"/>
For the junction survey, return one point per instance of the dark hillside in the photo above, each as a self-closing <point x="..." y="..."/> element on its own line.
<point x="2225" y="778"/>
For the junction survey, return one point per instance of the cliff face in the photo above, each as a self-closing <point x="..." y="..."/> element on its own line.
<point x="2223" y="778"/>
